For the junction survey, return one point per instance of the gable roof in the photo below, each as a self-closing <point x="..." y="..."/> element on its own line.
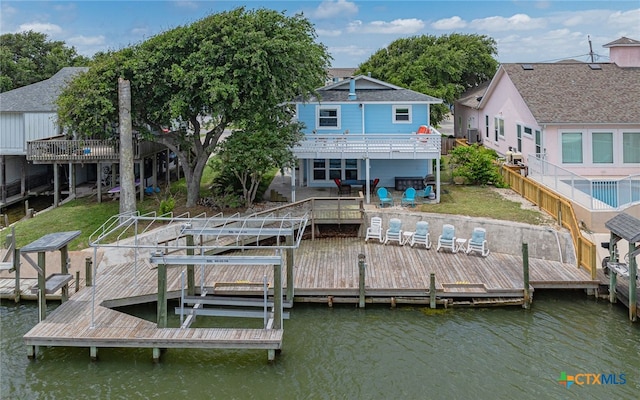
<point x="623" y="41"/>
<point x="600" y="93"/>
<point x="40" y="96"/>
<point x="369" y="90"/>
<point x="472" y="97"/>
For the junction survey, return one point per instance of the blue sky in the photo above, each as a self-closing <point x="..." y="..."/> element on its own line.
<point x="525" y="30"/>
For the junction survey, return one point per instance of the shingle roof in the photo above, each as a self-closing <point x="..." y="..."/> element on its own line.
<point x="472" y="97"/>
<point x="578" y="93"/>
<point x="40" y="96"/>
<point x="370" y="90"/>
<point x="623" y="41"/>
<point x="625" y="226"/>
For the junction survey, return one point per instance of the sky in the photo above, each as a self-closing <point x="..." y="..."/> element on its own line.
<point x="525" y="30"/>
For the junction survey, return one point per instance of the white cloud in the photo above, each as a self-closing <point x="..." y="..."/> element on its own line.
<point x="397" y="26"/>
<point x="352" y="50"/>
<point x="629" y="18"/>
<point x="192" y="5"/>
<point x="42" y="27"/>
<point x="140" y="31"/>
<point x="517" y="22"/>
<point x="329" y="32"/>
<point x="449" y="23"/>
<point x="332" y="9"/>
<point x="86" y="40"/>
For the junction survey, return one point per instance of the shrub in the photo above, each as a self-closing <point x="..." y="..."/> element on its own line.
<point x="476" y="165"/>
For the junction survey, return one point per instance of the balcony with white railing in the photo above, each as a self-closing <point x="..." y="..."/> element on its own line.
<point x="372" y="146"/>
<point x="606" y="194"/>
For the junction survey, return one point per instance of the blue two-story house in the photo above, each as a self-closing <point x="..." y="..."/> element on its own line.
<point x="366" y="129"/>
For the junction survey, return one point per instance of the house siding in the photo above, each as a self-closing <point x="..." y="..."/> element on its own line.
<point x="12" y="140"/>
<point x="40" y="125"/>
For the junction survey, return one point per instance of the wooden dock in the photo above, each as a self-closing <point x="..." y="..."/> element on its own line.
<point x="326" y="271"/>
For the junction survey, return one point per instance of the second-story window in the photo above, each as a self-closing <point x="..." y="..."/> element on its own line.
<point x="329" y="117"/>
<point x="401" y="114"/>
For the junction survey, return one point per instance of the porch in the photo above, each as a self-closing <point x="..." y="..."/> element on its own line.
<point x="388" y="150"/>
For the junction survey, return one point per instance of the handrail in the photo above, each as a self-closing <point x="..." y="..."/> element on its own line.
<point x="560" y="208"/>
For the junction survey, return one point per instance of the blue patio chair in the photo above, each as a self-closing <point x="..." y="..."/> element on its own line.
<point x="421" y="235"/>
<point x="426" y="193"/>
<point x="448" y="238"/>
<point x="394" y="233"/>
<point x="385" y="198"/>
<point x="478" y="242"/>
<point x="409" y="197"/>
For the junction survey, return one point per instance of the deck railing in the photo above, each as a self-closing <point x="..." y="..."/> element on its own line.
<point x="592" y="194"/>
<point x="86" y="150"/>
<point x="374" y="146"/>
<point x="559" y="208"/>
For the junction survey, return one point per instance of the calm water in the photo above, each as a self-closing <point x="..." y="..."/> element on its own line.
<point x="347" y="353"/>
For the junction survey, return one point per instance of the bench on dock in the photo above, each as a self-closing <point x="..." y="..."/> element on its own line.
<point x="53" y="283"/>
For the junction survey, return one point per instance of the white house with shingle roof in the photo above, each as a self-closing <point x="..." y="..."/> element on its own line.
<point x="582" y="117"/>
<point x="28" y="113"/>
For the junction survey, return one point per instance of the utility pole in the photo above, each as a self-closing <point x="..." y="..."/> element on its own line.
<point x="590" y="47"/>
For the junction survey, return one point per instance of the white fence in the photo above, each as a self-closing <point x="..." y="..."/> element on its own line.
<point x="593" y="194"/>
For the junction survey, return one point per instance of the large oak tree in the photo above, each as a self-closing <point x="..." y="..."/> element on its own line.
<point x="443" y="66"/>
<point x="229" y="68"/>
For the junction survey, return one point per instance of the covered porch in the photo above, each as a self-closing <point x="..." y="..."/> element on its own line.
<point x="359" y="157"/>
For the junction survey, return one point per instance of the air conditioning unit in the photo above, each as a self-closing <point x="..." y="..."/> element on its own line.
<point x="472" y="136"/>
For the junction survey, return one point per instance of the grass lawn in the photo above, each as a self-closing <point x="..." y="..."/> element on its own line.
<point x="87" y="215"/>
<point x="479" y="201"/>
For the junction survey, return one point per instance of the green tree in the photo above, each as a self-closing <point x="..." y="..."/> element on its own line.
<point x="230" y="68"/>
<point x="443" y="66"/>
<point x="28" y="57"/>
<point x="251" y="152"/>
<point x="476" y="164"/>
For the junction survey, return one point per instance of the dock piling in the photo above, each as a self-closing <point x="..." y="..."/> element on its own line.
<point x="361" y="282"/>
<point x="432" y="290"/>
<point x="525" y="270"/>
<point x="88" y="278"/>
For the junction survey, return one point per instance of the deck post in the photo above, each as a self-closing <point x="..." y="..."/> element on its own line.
<point x="432" y="290"/>
<point x="156" y="354"/>
<point x="191" y="277"/>
<point x="361" y="279"/>
<point x="613" y="257"/>
<point x="525" y="270"/>
<point x="31" y="352"/>
<point x="16" y="265"/>
<point x="42" y="301"/>
<point x="633" y="273"/>
<point x="162" y="295"/>
<point x="88" y="278"/>
<point x="64" y="269"/>
<point x="290" y="277"/>
<point x="77" y="282"/>
<point x="277" y="296"/>
<point x="93" y="353"/>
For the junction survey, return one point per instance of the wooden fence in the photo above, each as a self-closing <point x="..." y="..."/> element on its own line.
<point x="559" y="208"/>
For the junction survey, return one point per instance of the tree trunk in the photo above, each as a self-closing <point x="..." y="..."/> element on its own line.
<point x="127" y="186"/>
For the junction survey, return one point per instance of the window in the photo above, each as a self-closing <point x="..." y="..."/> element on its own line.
<point x="602" y="147"/>
<point x="401" y="114"/>
<point x="528" y="131"/>
<point x="486" y="125"/>
<point x="538" y="139"/>
<point x="519" y="137"/>
<point x="334" y="168"/>
<point x="572" y="147"/>
<point x="631" y="147"/>
<point x="329" y="117"/>
<point x="499" y="127"/>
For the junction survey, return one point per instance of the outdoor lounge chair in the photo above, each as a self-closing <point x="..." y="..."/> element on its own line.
<point x="384" y="197"/>
<point x="394" y="233"/>
<point x="478" y="242"/>
<point x="448" y="238"/>
<point x="409" y="197"/>
<point x="374" y="231"/>
<point x="421" y="235"/>
<point x="426" y="193"/>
